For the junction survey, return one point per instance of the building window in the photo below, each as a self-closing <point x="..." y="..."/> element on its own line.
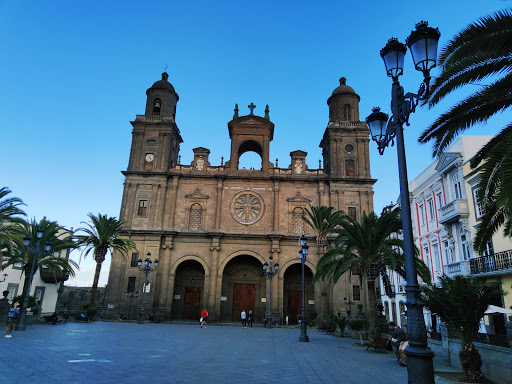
<point x="422" y="214"/>
<point x="447" y="253"/>
<point x="298" y="221"/>
<point x="131" y="285"/>
<point x="479" y="209"/>
<point x="13" y="290"/>
<point x="39" y="295"/>
<point x="194" y="219"/>
<point x="427" y="257"/>
<point x="346" y="112"/>
<point x="431" y="212"/>
<point x="437" y="258"/>
<point x="350" y="168"/>
<point x="143" y="205"/>
<point x="356" y="293"/>
<point x="465" y="247"/>
<point x="157" y="104"/>
<point x="135" y="259"/>
<point x="352" y="212"/>
<point x="439" y="197"/>
<point x="488" y="249"/>
<point x="456" y="184"/>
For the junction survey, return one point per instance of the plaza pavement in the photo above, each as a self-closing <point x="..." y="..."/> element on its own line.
<point x="109" y="352"/>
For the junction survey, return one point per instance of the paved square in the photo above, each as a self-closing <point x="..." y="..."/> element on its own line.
<point x="103" y="352"/>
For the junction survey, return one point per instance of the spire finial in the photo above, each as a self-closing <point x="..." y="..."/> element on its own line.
<point x="251" y="107"/>
<point x="165" y="76"/>
<point x="343" y="81"/>
<point x="267" y="113"/>
<point x="235" y="116"/>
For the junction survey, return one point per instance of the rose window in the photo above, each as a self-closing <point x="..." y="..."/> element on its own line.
<point x="247" y="208"/>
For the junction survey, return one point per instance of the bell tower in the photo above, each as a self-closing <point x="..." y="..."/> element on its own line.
<point x="155" y="137"/>
<point x="345" y="144"/>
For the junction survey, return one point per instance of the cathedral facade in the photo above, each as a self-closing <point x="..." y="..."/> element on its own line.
<point x="212" y="227"/>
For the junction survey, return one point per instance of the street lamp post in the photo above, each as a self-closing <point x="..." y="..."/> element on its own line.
<point x="131" y="295"/>
<point x="146" y="269"/>
<point x="303" y="253"/>
<point x="423" y="45"/>
<point x="36" y="252"/>
<point x="267" y="271"/>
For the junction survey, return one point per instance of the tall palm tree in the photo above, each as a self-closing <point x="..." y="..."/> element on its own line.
<point x="479" y="52"/>
<point x="461" y="302"/>
<point x="368" y="247"/>
<point x="102" y="235"/>
<point x="322" y="220"/>
<point x="10" y="222"/>
<point x="56" y="265"/>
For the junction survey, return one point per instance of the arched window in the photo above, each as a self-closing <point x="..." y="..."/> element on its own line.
<point x="350" y="168"/>
<point x="157" y="104"/>
<point x="298" y="222"/>
<point x="386" y="311"/>
<point x="194" y="218"/>
<point x="347" y="116"/>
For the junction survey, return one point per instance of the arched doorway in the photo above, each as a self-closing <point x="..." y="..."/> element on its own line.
<point x="243" y="286"/>
<point x="292" y="300"/>
<point x="188" y="291"/>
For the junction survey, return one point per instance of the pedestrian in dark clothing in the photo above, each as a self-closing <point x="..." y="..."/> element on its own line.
<point x="398" y="341"/>
<point x="250" y="319"/>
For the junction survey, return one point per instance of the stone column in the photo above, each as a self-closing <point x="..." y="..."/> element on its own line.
<point x="137" y="136"/>
<point x="164" y="266"/>
<point x="275" y="225"/>
<point x="214" y="260"/>
<point x="159" y="208"/>
<point x="218" y="211"/>
<point x="130" y="202"/>
<point x="174" y="194"/>
<point x="163" y="151"/>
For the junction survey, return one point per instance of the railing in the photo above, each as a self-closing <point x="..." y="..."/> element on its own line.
<point x="492" y="263"/>
<point x="459" y="268"/>
<point x="485" y="338"/>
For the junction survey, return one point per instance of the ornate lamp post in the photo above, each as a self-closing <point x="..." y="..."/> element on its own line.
<point x="423" y="45"/>
<point x="146" y="269"/>
<point x="267" y="271"/>
<point x="303" y="253"/>
<point x="131" y="295"/>
<point x="36" y="252"/>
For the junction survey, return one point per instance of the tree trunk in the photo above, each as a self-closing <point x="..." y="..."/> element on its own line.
<point x="372" y="311"/>
<point x="471" y="363"/>
<point x="94" y="288"/>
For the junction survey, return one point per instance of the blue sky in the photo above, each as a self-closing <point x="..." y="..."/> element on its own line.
<point x="74" y="74"/>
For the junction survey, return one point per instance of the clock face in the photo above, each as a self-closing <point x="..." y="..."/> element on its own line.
<point x="149" y="157"/>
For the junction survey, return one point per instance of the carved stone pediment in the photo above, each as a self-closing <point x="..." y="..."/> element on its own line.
<point x="298" y="199"/>
<point x="197" y="195"/>
<point x="250" y="121"/>
<point x="447" y="161"/>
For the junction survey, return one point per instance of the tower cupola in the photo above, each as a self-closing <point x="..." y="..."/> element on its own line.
<point x="162" y="99"/>
<point x="343" y="103"/>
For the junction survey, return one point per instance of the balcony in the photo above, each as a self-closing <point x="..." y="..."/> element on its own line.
<point x="48" y="277"/>
<point x="496" y="263"/>
<point x="461" y="268"/>
<point x="453" y="211"/>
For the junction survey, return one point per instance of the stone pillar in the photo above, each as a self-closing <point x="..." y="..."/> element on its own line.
<point x="174" y="194"/>
<point x="164" y="303"/>
<point x="130" y="202"/>
<point x="275" y="225"/>
<point x="164" y="151"/>
<point x="214" y="261"/>
<point x="218" y="211"/>
<point x="157" y="215"/>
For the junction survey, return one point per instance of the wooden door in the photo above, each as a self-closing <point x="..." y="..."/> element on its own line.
<point x="192" y="303"/>
<point x="244" y="297"/>
<point x="294" y="305"/>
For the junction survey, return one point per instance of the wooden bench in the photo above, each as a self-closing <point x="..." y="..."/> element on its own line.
<point x="378" y="344"/>
<point x="48" y="320"/>
<point x="79" y="318"/>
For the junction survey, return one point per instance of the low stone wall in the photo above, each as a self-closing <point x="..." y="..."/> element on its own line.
<point x="496" y="361"/>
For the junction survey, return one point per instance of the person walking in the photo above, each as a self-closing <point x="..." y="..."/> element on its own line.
<point x="244" y="318"/>
<point x="12" y="319"/>
<point x="204" y="317"/>
<point x="250" y="318"/>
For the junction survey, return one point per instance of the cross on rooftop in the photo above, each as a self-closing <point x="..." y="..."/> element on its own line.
<point x="251" y="107"/>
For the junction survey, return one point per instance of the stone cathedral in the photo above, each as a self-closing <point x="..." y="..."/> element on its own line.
<point x="212" y="227"/>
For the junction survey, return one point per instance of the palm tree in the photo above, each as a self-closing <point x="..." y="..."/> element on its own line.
<point x="461" y="302"/>
<point x="10" y="222"/>
<point x="57" y="266"/>
<point x="102" y="235"/>
<point x="480" y="51"/>
<point x="322" y="220"/>
<point x="367" y="246"/>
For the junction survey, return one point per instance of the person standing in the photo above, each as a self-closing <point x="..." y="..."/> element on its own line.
<point x="204" y="317"/>
<point x="12" y="318"/>
<point x="250" y="318"/>
<point x="244" y="318"/>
